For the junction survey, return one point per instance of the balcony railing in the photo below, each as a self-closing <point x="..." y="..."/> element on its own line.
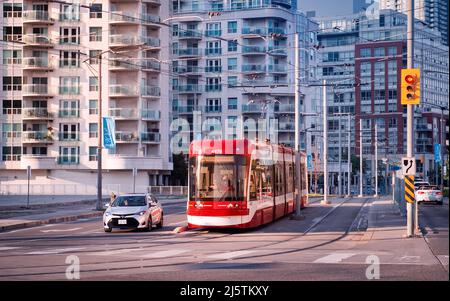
<point x="37" y="39"/>
<point x="151" y="91"/>
<point x="35" y="62"/>
<point x="126" y="136"/>
<point x="150" y="137"/>
<point x="69" y="17"/>
<point x="66" y="90"/>
<point x="188" y="52"/>
<point x="213" y="51"/>
<point x="189" y="88"/>
<point x="213" y="33"/>
<point x="151" y="65"/>
<point x="36" y="113"/>
<point x="123" y="90"/>
<point x="35" y="89"/>
<point x="36" y="136"/>
<point x="69" y="113"/>
<point x="252" y="108"/>
<point x="36" y="16"/>
<point x="128" y="40"/>
<point x="151" y="114"/>
<point x="277" y="68"/>
<point x="253" y="68"/>
<point x="254" y="49"/>
<point x="215" y="69"/>
<point x="68" y="160"/>
<point x="213" y="109"/>
<point x="187" y="34"/>
<point x="123" y="113"/>
<point x="122" y="64"/>
<point x="213" y="88"/>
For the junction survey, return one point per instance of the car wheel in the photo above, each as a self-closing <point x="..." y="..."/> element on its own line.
<point x="161" y="222"/>
<point x="149" y="225"/>
<point x="107" y="229"/>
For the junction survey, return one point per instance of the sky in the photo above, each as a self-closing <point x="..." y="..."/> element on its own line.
<point x="327" y="7"/>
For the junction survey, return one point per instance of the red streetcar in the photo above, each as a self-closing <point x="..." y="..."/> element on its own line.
<point x="243" y="184"/>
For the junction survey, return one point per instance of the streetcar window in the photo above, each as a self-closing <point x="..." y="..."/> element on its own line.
<point x="261" y="177"/>
<point x="220" y="177"/>
<point x="289" y="177"/>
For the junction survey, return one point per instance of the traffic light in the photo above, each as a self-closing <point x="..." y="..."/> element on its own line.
<point x="410" y="87"/>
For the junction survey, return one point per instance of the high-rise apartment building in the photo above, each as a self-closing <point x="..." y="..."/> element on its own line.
<point x="234" y="59"/>
<point x="433" y="12"/>
<point x="50" y="90"/>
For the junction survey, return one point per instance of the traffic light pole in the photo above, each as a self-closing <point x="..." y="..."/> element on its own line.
<point x="410" y="112"/>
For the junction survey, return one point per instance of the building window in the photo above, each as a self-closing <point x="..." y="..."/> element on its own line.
<point x="69" y="59"/>
<point x="92" y="153"/>
<point x="95" y="34"/>
<point x="11" y="153"/>
<point x="232" y="81"/>
<point x="232" y="46"/>
<point x="213" y="66"/>
<point x="379" y="51"/>
<point x="11" y="57"/>
<point x="232" y="103"/>
<point x="12" y="83"/>
<point x="364" y="52"/>
<point x="12" y="33"/>
<point x="69" y="131"/>
<point x="232" y="64"/>
<point x="69" y="108"/>
<point x="93" y="83"/>
<point x="69" y="12"/>
<point x="12" y="107"/>
<point x="232" y="27"/>
<point x="382" y="21"/>
<point x="69" y="85"/>
<point x="213" y="30"/>
<point x="175" y="29"/>
<point x="69" y="35"/>
<point x="392" y="50"/>
<point x="95" y="11"/>
<point x="213" y="105"/>
<point x="93" y="56"/>
<point x="68" y="155"/>
<point x="93" y="130"/>
<point x="12" y="10"/>
<point x="93" y="106"/>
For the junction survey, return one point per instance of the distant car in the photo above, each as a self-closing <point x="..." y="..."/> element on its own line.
<point x="420" y="183"/>
<point x="133" y="211"/>
<point x="429" y="193"/>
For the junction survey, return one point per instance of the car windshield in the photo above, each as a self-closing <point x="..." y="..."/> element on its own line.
<point x="429" y="188"/>
<point x="129" y="201"/>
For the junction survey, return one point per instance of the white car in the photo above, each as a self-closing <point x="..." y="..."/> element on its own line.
<point x="429" y="193"/>
<point x="419" y="183"/>
<point x="133" y="211"/>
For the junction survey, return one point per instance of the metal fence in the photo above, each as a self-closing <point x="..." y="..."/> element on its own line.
<point x="84" y="189"/>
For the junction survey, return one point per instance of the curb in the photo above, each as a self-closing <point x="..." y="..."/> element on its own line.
<point x="180" y="229"/>
<point x="53" y="220"/>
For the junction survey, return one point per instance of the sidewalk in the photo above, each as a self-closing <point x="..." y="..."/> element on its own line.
<point x="16" y="216"/>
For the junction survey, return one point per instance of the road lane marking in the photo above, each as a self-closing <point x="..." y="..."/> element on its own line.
<point x="163" y="254"/>
<point x="26" y="229"/>
<point x="113" y="252"/>
<point x="334" y="258"/>
<point x="55" y="251"/>
<point x="60" y="230"/>
<point x="229" y="255"/>
<point x="410" y="258"/>
<point x="8" y="248"/>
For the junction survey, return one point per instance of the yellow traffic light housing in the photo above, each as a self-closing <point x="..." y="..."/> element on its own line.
<point x="410" y="80"/>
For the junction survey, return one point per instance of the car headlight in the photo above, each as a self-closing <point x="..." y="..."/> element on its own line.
<point x="107" y="214"/>
<point x="142" y="213"/>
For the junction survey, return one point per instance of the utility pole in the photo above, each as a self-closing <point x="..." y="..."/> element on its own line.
<point x="99" y="205"/>
<point x="443" y="146"/>
<point x="325" y="145"/>
<point x="340" y="155"/>
<point x="376" y="160"/>
<point x="360" y="160"/>
<point x="297" y="126"/>
<point x="348" y="156"/>
<point x="410" y="113"/>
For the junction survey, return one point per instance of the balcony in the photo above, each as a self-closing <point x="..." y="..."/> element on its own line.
<point x="69" y="136"/>
<point x="69" y="113"/>
<point x="188" y="52"/>
<point x="37" y="40"/>
<point x="38" y="161"/>
<point x="122" y="65"/>
<point x="123" y="18"/>
<point x="123" y="40"/>
<point x="188" y="89"/>
<point x="126" y="137"/>
<point x="286" y="127"/>
<point x="150" y="91"/>
<point x="68" y="160"/>
<point x="213" y="88"/>
<point x="150" y="65"/>
<point x="35" y="90"/>
<point x="213" y="69"/>
<point x="213" y="109"/>
<point x="123" y="91"/>
<point x="277" y="51"/>
<point x="150" y="137"/>
<point x="36" y="17"/>
<point x="69" y="17"/>
<point x="185" y="34"/>
<point x="189" y="70"/>
<point x="151" y="115"/>
<point x="69" y="90"/>
<point x="265" y="83"/>
<point x="252" y="108"/>
<point x="284" y="108"/>
<point x="151" y="20"/>
<point x="213" y="33"/>
<point x="254" y="50"/>
<point x="123" y="113"/>
<point x="253" y="69"/>
<point x="36" y="137"/>
<point x="36" y="114"/>
<point x="277" y="68"/>
<point x="255" y="32"/>
<point x="36" y="64"/>
<point x="213" y="51"/>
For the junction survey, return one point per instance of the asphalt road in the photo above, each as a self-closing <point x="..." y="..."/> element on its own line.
<point x="325" y="245"/>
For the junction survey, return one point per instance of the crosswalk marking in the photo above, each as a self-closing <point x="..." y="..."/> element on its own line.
<point x="61" y="230"/>
<point x="334" y="258"/>
<point x="229" y="255"/>
<point x="162" y="254"/>
<point x="54" y="251"/>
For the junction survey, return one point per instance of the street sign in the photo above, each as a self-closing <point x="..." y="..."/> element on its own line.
<point x="109" y="133"/>
<point x="409" y="189"/>
<point x="410" y="87"/>
<point x="394" y="167"/>
<point x="409" y="166"/>
<point x="437" y="153"/>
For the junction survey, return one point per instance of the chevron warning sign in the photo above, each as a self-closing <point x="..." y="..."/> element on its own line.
<point x="409" y="189"/>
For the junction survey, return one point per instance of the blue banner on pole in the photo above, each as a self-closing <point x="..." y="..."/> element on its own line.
<point x="109" y="133"/>
<point x="309" y="162"/>
<point x="437" y="153"/>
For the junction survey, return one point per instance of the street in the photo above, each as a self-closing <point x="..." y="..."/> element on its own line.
<point x="331" y="242"/>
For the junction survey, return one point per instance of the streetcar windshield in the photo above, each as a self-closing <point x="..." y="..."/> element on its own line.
<point x="219" y="177"/>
